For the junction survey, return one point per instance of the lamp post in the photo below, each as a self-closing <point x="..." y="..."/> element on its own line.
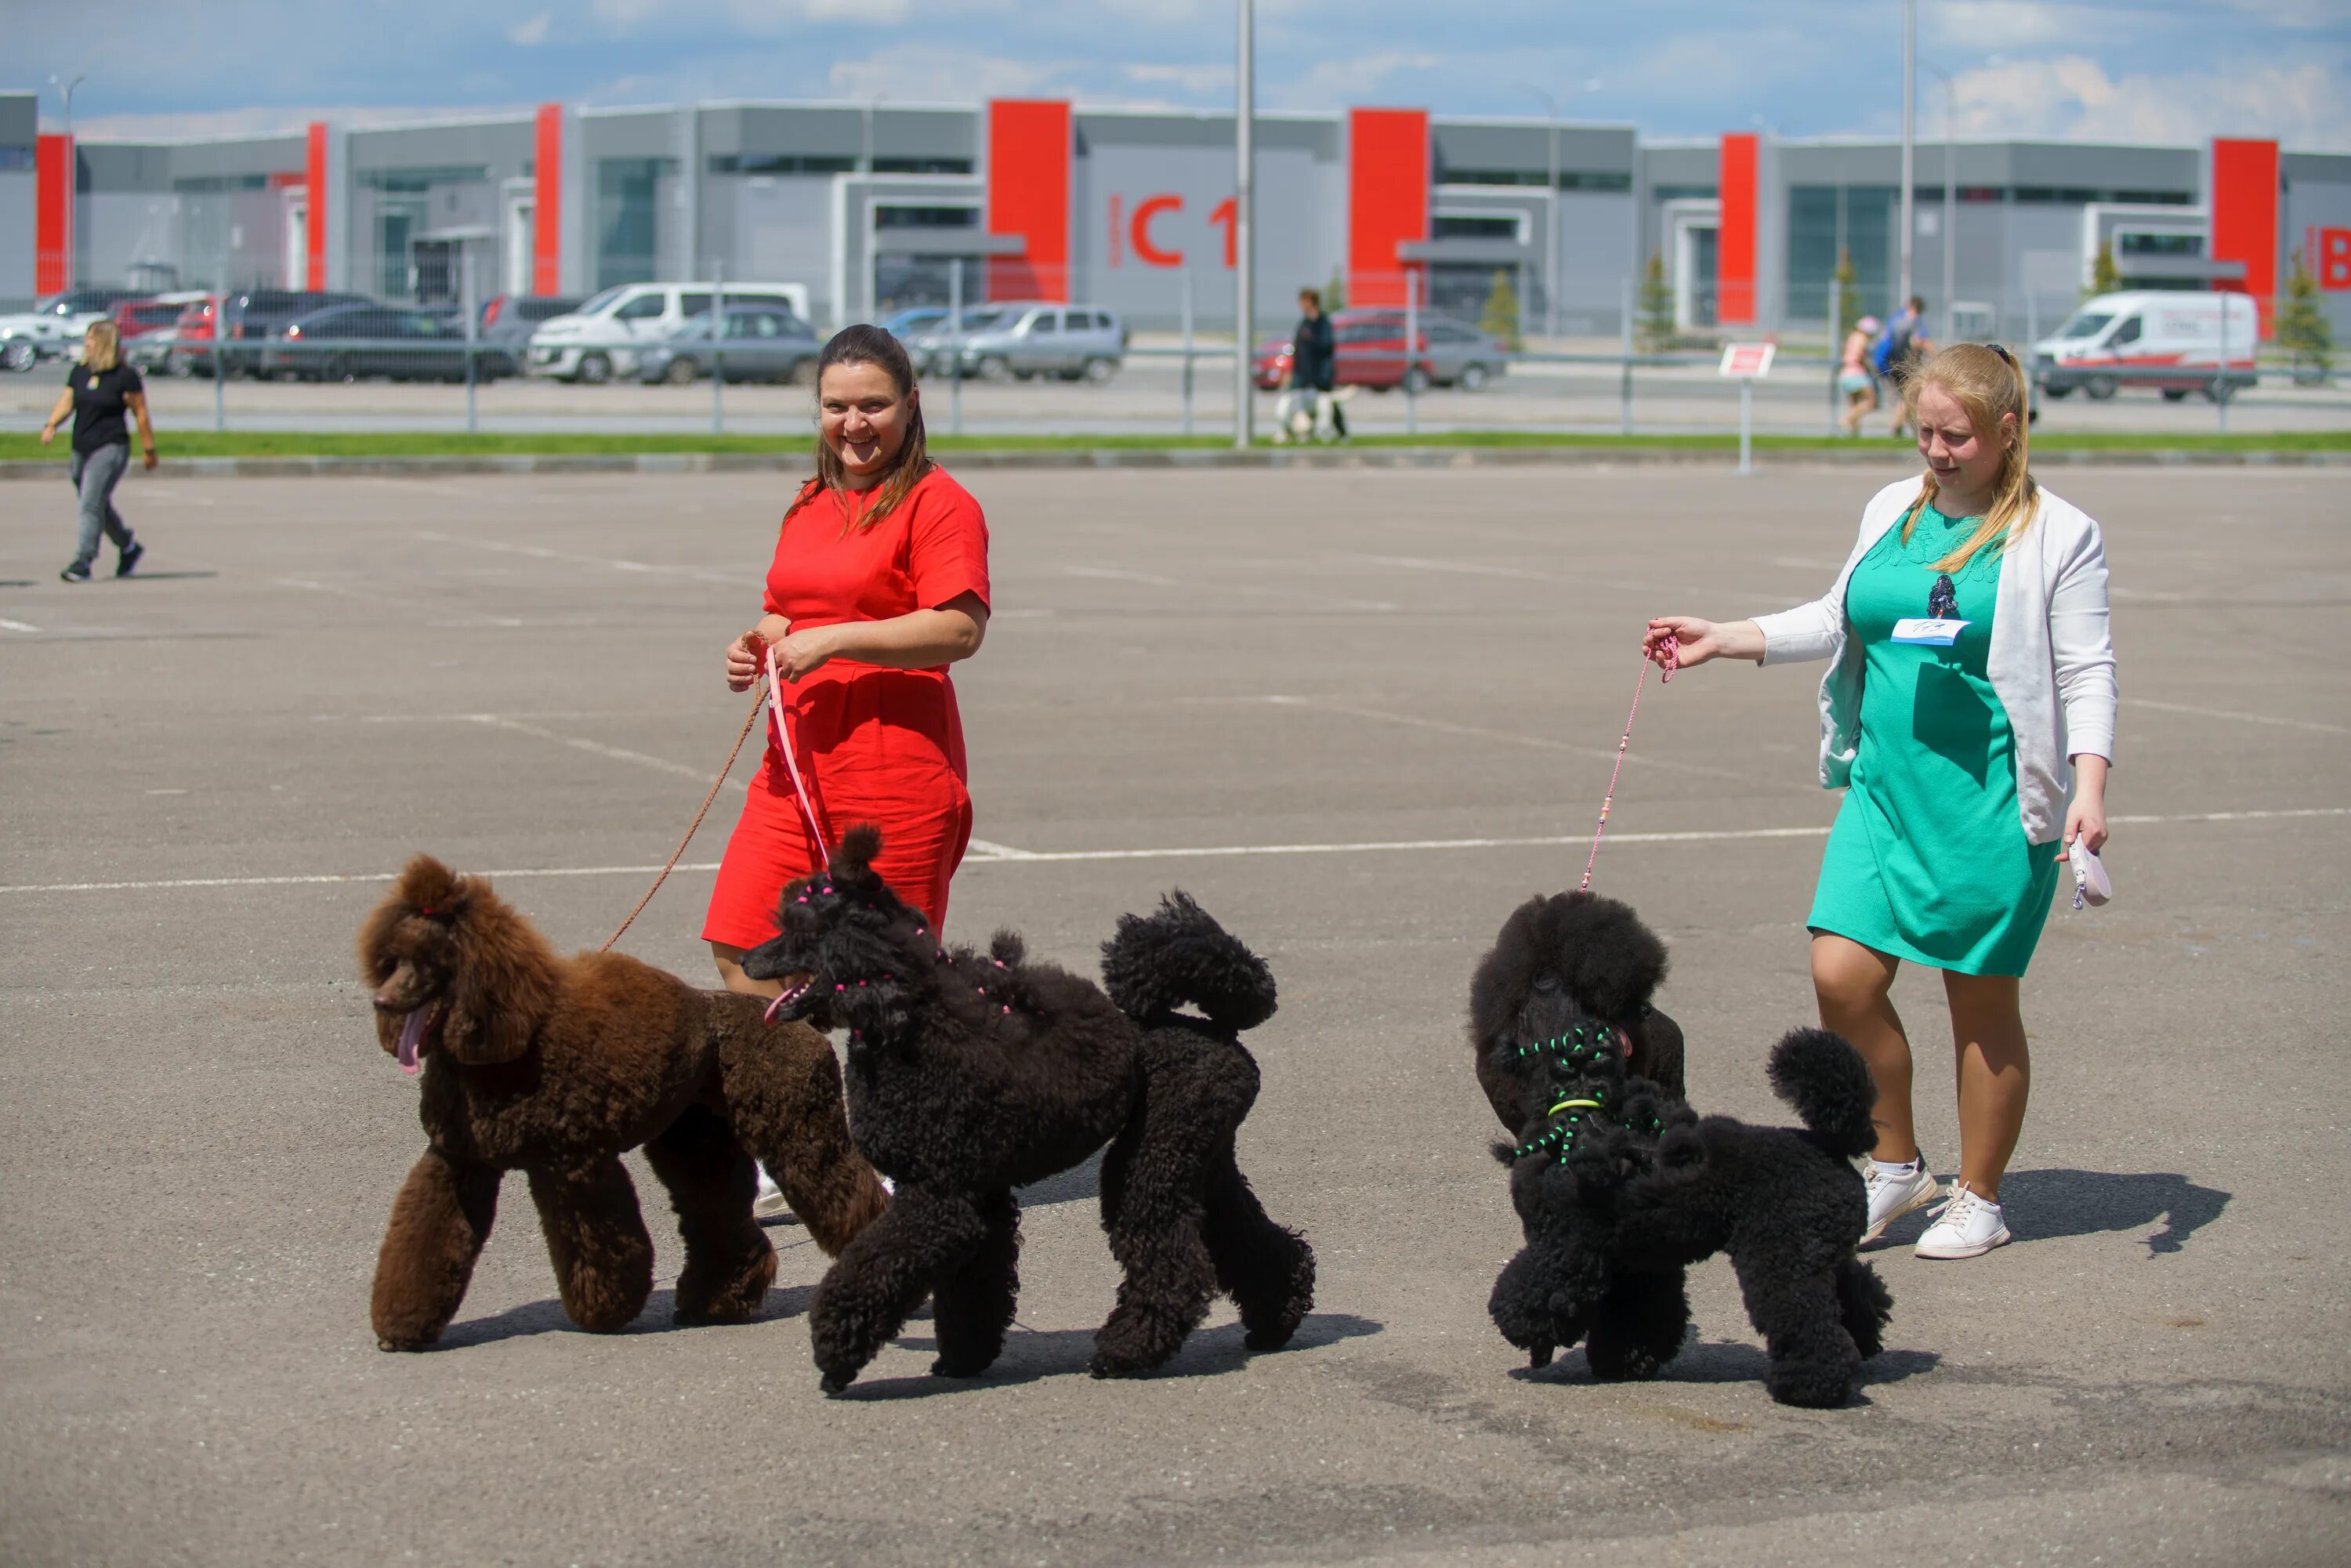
<point x="73" y="161"/>
<point x="1950" y="203"/>
<point x="1244" y="206"/>
<point x="1910" y="138"/>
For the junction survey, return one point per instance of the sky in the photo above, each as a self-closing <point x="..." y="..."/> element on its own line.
<point x="2173" y="71"/>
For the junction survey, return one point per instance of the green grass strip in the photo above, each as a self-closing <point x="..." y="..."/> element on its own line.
<point x="24" y="446"/>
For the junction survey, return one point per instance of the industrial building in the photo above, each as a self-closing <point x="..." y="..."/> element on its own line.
<point x="869" y="206"/>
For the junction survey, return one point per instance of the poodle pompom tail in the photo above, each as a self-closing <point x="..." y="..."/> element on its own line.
<point x="1827" y="1083"/>
<point x="855" y="858"/>
<point x="1158" y="963"/>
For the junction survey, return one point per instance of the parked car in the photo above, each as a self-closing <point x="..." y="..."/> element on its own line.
<point x="510" y="318"/>
<point x="932" y="346"/>
<point x="135" y="319"/>
<point x="909" y="324"/>
<point x="52" y="328"/>
<point x="763" y="343"/>
<point x="259" y="314"/>
<point x="600" y="341"/>
<point x="1037" y="340"/>
<point x="1370" y="354"/>
<point x="345" y="342"/>
<point x="2171" y="341"/>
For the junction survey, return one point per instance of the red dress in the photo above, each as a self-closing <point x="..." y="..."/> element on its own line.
<point x="874" y="745"/>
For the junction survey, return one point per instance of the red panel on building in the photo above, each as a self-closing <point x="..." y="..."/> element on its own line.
<point x="1734" y="237"/>
<point x="546" y="203"/>
<point x="53" y="180"/>
<point x="2245" y="216"/>
<point x="1029" y="151"/>
<point x="314" y="202"/>
<point x="1388" y="201"/>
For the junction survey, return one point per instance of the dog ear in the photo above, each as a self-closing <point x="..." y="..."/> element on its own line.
<point x="1619" y="962"/>
<point x="506" y="983"/>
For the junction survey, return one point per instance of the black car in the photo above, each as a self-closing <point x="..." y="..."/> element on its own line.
<point x="345" y="342"/>
<point x="260" y="314"/>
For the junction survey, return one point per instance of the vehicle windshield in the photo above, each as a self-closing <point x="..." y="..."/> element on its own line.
<point x="2085" y="324"/>
<point x="981" y="317"/>
<point x="596" y="302"/>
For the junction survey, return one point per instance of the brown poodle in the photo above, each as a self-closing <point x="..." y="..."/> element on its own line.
<point x="555" y="1067"/>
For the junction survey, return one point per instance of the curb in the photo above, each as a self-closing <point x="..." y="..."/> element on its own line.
<point x="1159" y="458"/>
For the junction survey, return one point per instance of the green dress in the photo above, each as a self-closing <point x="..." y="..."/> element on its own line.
<point x="1927" y="859"/>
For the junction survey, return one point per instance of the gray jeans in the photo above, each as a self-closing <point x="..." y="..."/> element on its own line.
<point x="95" y="475"/>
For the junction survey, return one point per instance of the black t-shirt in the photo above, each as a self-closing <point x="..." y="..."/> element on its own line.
<point x="99" y="405"/>
<point x="1312" y="353"/>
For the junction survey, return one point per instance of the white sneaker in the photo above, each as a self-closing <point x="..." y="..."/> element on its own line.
<point x="1969" y="1225"/>
<point x="1890" y="1197"/>
<point x="769" y="1201"/>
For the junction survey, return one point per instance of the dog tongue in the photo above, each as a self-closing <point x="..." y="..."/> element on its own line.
<point x="412" y="1034"/>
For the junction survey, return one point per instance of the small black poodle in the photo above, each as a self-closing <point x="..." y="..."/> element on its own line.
<point x="1558" y="961"/>
<point x="1619" y="1187"/>
<point x="973" y="1073"/>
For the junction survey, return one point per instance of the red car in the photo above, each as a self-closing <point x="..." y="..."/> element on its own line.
<point x="1370" y="354"/>
<point x="137" y="318"/>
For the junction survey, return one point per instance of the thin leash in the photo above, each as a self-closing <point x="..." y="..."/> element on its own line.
<point x="715" y="785"/>
<point x="1672" y="649"/>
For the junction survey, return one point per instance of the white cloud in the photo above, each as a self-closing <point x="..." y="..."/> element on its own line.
<point x="532" y="32"/>
<point x="938" y="73"/>
<point x="1201" y="80"/>
<point x="2071" y="98"/>
<point x="1337" y="83"/>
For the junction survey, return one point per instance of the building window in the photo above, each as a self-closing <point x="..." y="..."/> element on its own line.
<point x="1569" y="179"/>
<point x="922" y="166"/>
<point x="419" y="180"/>
<point x="900" y="215"/>
<point x="1827" y="221"/>
<point x="779" y="164"/>
<point x="1477" y="225"/>
<point x="628" y="218"/>
<point x="16" y="157"/>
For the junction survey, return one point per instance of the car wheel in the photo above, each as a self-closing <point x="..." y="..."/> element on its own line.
<point x="1473" y="378"/>
<point x="2174" y="394"/>
<point x="1416" y="380"/>
<point x="341" y="368"/>
<point x="681" y="372"/>
<point x="2101" y="388"/>
<point x="1099" y="371"/>
<point x="2056" y="390"/>
<point x="595" y="369"/>
<point x="996" y="368"/>
<point x="19" y="355"/>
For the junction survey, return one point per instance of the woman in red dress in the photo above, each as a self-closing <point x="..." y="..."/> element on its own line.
<point x="880" y="582"/>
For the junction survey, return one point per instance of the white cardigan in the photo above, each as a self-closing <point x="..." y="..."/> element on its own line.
<point x="2052" y="662"/>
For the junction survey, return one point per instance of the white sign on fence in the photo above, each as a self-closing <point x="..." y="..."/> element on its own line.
<point x="1747" y="361"/>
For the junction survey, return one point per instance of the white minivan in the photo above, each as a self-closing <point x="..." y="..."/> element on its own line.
<point x="599" y="340"/>
<point x="2173" y="342"/>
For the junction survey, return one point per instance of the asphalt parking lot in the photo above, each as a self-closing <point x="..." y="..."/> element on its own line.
<point x="1360" y="715"/>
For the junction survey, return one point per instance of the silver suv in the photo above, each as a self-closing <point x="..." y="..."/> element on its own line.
<point x="1033" y="339"/>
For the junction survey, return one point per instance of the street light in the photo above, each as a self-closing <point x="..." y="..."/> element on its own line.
<point x="1244" y="210"/>
<point x="72" y="159"/>
<point x="1950" y="203"/>
<point x="1909" y="137"/>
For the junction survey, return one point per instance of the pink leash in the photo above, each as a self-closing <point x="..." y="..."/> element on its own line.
<point x="779" y="732"/>
<point x="1671" y="649"/>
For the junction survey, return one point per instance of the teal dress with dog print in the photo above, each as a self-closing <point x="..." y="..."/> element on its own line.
<point x="1928" y="860"/>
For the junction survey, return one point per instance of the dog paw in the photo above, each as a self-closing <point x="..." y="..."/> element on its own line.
<point x="833" y="1383"/>
<point x="943" y="1367"/>
<point x="403" y="1345"/>
<point x="1539" y="1355"/>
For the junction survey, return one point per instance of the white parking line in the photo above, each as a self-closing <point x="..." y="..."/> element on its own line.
<point x="986" y="854"/>
<point x="6" y="626"/>
<point x="615" y="563"/>
<point x="598" y="748"/>
<point x="2237" y="713"/>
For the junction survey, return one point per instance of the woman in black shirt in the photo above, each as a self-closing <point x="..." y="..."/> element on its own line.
<point x="100" y="390"/>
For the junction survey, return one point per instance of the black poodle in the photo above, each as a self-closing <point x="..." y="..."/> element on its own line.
<point x="1559" y="961"/>
<point x="973" y="1073"/>
<point x="1619" y="1187"/>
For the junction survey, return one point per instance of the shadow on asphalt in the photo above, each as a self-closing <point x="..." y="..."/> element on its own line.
<point x="1079" y="1183"/>
<point x="1731" y="1360"/>
<point x="2043" y="1205"/>
<point x="1033" y="1354"/>
<point x="546" y="1317"/>
<point x="162" y="576"/>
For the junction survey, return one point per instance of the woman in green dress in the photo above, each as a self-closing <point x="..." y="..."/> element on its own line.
<point x="1969" y="713"/>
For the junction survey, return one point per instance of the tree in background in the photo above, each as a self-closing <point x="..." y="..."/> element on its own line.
<point x="1655" y="326"/>
<point x="1501" y="317"/>
<point x="2301" y="327"/>
<point x="1849" y="311"/>
<point x="1334" y="293"/>
<point x="2104" y="277"/>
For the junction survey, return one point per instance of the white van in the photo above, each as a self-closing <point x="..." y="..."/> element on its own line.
<point x="598" y="342"/>
<point x="2175" y="342"/>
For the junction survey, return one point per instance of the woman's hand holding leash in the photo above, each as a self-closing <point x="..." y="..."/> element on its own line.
<point x="1696" y="642"/>
<point x="746" y="655"/>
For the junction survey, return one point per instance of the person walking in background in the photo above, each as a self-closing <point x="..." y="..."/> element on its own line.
<point x="1314" y="360"/>
<point x="878" y="583"/>
<point x="1900" y="350"/>
<point x="1970" y="660"/>
<point x="1854" y="379"/>
<point x="100" y="390"/>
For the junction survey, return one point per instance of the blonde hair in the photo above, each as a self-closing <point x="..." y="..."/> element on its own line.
<point x="103" y="349"/>
<point x="1986" y="381"/>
